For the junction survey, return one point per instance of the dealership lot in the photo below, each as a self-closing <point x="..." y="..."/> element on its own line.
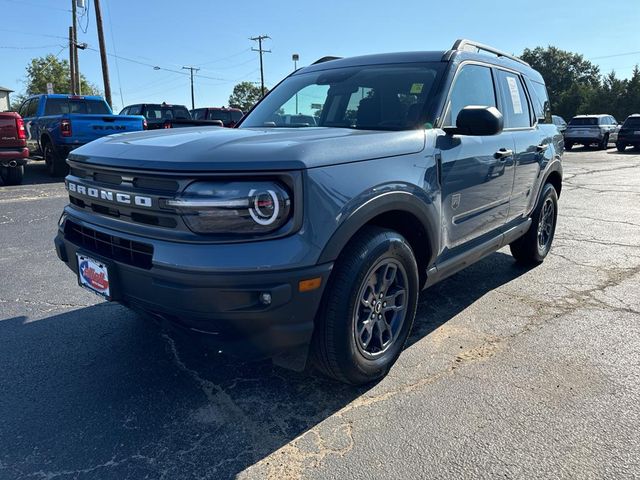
<point x="512" y="372"/>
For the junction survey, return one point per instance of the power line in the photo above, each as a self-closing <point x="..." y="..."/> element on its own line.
<point x="113" y="44"/>
<point x="30" y="48"/>
<point x="30" y="33"/>
<point x="224" y="58"/>
<point x="39" y="5"/>
<point x="615" y="55"/>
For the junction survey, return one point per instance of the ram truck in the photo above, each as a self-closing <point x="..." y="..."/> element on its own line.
<point x="13" y="148"/>
<point x="57" y="124"/>
<point x="310" y="243"/>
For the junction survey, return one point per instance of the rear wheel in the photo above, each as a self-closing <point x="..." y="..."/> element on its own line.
<point x="604" y="143"/>
<point x="534" y="246"/>
<point x="56" y="166"/>
<point x="12" y="175"/>
<point x="369" y="308"/>
<point x="621" y="147"/>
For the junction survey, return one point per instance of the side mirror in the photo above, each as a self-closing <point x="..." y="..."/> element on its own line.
<point x="477" y="121"/>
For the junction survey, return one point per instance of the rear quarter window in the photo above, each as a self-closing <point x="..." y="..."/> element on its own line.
<point x="540" y="100"/>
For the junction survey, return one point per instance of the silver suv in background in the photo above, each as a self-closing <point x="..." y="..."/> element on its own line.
<point x="587" y="130"/>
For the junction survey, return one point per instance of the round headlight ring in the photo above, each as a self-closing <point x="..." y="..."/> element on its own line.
<point x="259" y="202"/>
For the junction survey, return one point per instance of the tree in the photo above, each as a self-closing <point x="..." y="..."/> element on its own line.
<point x="49" y="69"/>
<point x="245" y="95"/>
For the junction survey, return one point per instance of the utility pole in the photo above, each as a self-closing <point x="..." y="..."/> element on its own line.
<point x="72" y="63"/>
<point x="191" y="70"/>
<point x="78" y="86"/>
<point x="259" y="39"/>
<point x="103" y="53"/>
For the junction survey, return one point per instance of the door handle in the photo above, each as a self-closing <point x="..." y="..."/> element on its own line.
<point x="503" y="154"/>
<point x="542" y="148"/>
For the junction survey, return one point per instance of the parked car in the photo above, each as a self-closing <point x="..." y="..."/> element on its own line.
<point x="314" y="242"/>
<point x="57" y="124"/>
<point x="629" y="134"/>
<point x="559" y="122"/>
<point x="13" y="148"/>
<point x="228" y="116"/>
<point x="587" y="130"/>
<point x="164" y="115"/>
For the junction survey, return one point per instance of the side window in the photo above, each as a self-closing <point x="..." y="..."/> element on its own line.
<point x="198" y="114"/>
<point x="473" y="86"/>
<point x="135" y="110"/>
<point x="515" y="105"/>
<point x="614" y="121"/>
<point x="541" y="105"/>
<point x="22" y="111"/>
<point x="32" y="107"/>
<point x="124" y="111"/>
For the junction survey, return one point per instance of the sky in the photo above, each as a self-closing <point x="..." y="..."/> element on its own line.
<point x="214" y="36"/>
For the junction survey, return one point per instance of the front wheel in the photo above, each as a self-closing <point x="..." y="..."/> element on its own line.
<point x="534" y="246"/>
<point x="621" y="147"/>
<point x="12" y="175"/>
<point x="368" y="308"/>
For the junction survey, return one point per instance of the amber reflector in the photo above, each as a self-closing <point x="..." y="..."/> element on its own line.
<point x="308" y="285"/>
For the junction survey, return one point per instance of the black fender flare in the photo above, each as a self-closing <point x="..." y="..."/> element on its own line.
<point x="425" y="212"/>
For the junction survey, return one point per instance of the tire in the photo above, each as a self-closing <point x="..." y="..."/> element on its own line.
<point x="621" y="147"/>
<point x="604" y="143"/>
<point x="56" y="166"/>
<point x="12" y="175"/>
<point x="568" y="145"/>
<point x="350" y="344"/>
<point x="532" y="248"/>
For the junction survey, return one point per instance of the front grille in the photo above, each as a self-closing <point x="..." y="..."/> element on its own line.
<point x="115" y="248"/>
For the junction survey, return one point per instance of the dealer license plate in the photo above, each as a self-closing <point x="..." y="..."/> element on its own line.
<point x="94" y="276"/>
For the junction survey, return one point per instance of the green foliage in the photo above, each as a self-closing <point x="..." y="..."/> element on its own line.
<point x="576" y="86"/>
<point x="245" y="95"/>
<point x="42" y="70"/>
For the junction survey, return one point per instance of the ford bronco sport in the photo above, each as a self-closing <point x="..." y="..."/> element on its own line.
<point x="313" y="242"/>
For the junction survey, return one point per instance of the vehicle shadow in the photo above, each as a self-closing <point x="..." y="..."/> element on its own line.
<point x="97" y="393"/>
<point x="35" y="173"/>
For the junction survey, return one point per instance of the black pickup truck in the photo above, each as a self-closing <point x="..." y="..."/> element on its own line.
<point x="164" y="115"/>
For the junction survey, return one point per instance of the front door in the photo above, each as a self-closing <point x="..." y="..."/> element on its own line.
<point x="476" y="171"/>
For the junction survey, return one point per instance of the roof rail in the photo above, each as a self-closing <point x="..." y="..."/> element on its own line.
<point x="325" y="59"/>
<point x="464" y="45"/>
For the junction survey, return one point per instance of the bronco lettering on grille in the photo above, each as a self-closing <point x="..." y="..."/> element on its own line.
<point x="110" y="195"/>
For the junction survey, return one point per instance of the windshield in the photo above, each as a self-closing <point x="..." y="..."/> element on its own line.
<point x="583" y="121"/>
<point x="632" y="122"/>
<point x="166" y="112"/>
<point x="58" y="106"/>
<point x="372" y="97"/>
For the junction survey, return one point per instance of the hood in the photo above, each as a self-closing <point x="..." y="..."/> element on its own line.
<point x="224" y="149"/>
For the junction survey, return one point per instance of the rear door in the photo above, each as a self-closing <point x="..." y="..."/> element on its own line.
<point x="476" y="171"/>
<point x="531" y="142"/>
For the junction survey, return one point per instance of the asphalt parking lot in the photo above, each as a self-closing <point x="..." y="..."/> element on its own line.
<point x="510" y="372"/>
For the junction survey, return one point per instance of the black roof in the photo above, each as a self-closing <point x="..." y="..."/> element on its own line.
<point x="454" y="55"/>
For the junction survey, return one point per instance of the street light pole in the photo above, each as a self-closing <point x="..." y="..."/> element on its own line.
<point x="295" y="57"/>
<point x="191" y="70"/>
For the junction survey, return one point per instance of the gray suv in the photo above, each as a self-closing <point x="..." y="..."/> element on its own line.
<point x="312" y="240"/>
<point x="587" y="130"/>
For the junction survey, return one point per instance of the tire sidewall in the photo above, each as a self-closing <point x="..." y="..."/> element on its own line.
<point x="392" y="247"/>
<point x="549" y="192"/>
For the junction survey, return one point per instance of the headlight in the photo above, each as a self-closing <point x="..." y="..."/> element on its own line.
<point x="233" y="207"/>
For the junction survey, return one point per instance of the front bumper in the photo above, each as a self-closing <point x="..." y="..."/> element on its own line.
<point x="226" y="310"/>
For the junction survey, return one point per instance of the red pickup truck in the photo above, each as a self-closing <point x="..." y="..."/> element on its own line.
<point x="13" y="148"/>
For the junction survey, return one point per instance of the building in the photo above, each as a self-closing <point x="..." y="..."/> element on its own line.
<point x="4" y="99"/>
